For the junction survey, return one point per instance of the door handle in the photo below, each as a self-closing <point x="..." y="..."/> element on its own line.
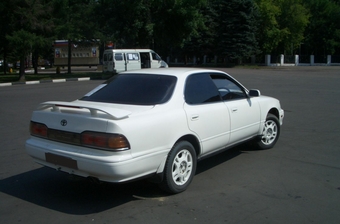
<point x="234" y="109"/>
<point x="194" y="117"/>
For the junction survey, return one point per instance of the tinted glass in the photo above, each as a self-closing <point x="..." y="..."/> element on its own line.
<point x="118" y="56"/>
<point x="200" y="89"/>
<point x="228" y="89"/>
<point x="136" y="89"/>
<point x="155" y="56"/>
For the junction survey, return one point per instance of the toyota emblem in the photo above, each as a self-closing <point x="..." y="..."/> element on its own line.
<point x="63" y="122"/>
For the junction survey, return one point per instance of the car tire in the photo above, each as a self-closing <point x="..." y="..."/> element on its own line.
<point x="270" y="134"/>
<point x="180" y="168"/>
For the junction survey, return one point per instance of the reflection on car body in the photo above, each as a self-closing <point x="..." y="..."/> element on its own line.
<point x="155" y="122"/>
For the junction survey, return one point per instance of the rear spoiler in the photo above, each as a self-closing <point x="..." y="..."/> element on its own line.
<point x="113" y="112"/>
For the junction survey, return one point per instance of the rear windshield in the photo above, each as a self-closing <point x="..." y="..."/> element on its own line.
<point x="136" y="89"/>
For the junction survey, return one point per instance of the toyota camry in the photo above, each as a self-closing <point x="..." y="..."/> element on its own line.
<point x="154" y="123"/>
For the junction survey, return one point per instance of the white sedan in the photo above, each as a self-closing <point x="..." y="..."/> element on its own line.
<point x="152" y="123"/>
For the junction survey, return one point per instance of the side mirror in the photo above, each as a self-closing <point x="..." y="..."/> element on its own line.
<point x="254" y="93"/>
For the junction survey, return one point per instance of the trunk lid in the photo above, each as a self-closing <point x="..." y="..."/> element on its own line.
<point x="78" y="116"/>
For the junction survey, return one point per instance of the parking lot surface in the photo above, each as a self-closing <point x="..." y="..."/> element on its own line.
<point x="298" y="181"/>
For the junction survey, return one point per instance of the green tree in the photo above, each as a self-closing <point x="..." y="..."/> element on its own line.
<point x="293" y="20"/>
<point x="269" y="34"/>
<point x="28" y="24"/>
<point x="176" y="22"/>
<point x="323" y="31"/>
<point x="6" y="28"/>
<point x="237" y="29"/>
<point x="203" y="42"/>
<point x="127" y="23"/>
<point x="23" y="42"/>
<point x="161" y="25"/>
<point x="75" y="21"/>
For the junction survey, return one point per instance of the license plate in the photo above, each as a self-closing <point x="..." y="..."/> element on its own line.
<point x="61" y="160"/>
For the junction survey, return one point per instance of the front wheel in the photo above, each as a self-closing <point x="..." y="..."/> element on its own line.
<point x="180" y="168"/>
<point x="271" y="132"/>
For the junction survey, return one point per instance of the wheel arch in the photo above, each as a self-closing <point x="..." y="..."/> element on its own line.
<point x="274" y="111"/>
<point x="189" y="138"/>
<point x="159" y="175"/>
<point x="192" y="140"/>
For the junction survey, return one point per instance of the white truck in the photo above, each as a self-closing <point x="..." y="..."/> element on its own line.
<point x="118" y="60"/>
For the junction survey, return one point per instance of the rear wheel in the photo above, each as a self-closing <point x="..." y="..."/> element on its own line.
<point x="180" y="168"/>
<point x="270" y="133"/>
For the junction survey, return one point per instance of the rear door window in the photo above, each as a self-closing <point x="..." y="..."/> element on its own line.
<point x="200" y="89"/>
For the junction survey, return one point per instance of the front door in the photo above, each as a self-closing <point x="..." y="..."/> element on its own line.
<point x="156" y="60"/>
<point x="244" y="111"/>
<point x="245" y="118"/>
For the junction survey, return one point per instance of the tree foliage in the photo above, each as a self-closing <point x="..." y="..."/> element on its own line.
<point x="323" y="32"/>
<point x="283" y="24"/>
<point x="235" y="29"/>
<point x="27" y="29"/>
<point x="269" y="33"/>
<point x="293" y="21"/>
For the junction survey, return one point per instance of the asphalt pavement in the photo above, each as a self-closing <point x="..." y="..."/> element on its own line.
<point x="298" y="181"/>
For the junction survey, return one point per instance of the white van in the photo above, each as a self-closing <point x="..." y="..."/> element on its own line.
<point x="118" y="60"/>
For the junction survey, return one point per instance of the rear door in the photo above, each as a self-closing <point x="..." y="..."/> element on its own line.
<point x="108" y="61"/>
<point x="207" y="114"/>
<point x="119" y="62"/>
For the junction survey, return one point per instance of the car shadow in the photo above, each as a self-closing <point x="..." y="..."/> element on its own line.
<point x="79" y="196"/>
<point x="74" y="195"/>
<point x="222" y="157"/>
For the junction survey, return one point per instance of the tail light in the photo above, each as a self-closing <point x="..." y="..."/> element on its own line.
<point x="99" y="140"/>
<point x="104" y="141"/>
<point x="39" y="130"/>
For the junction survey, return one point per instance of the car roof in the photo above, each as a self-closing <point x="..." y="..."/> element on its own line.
<point x="128" y="50"/>
<point x="178" y="72"/>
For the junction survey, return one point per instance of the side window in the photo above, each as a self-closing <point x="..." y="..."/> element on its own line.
<point x="200" y="89"/>
<point x="228" y="89"/>
<point x="155" y="56"/>
<point x="118" y="56"/>
<point x="133" y="56"/>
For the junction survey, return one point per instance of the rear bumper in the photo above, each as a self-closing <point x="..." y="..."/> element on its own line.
<point x="106" y="166"/>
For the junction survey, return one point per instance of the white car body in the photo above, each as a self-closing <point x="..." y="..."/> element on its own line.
<point x="151" y="130"/>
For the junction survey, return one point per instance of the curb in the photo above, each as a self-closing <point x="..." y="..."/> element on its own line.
<point x="44" y="81"/>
